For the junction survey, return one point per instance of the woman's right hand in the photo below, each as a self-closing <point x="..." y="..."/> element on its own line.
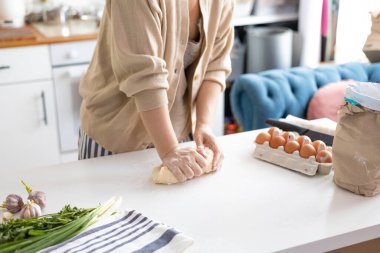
<point x="185" y="163"/>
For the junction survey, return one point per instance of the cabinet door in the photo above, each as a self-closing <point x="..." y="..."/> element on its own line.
<point x="24" y="64"/>
<point x="28" y="130"/>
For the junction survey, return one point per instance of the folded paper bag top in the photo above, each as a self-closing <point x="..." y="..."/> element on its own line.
<point x="365" y="94"/>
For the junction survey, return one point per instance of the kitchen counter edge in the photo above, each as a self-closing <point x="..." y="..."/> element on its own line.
<point x="42" y="40"/>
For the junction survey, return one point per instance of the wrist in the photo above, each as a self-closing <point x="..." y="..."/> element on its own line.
<point x="202" y="125"/>
<point x="164" y="151"/>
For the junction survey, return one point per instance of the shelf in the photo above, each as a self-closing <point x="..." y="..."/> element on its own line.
<point x="258" y="20"/>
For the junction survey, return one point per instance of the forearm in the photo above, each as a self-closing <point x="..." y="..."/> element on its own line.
<point x="206" y="102"/>
<point x="159" y="127"/>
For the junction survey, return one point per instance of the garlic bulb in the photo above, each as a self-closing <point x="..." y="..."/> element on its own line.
<point x="30" y="210"/>
<point x="37" y="197"/>
<point x="7" y="216"/>
<point x="13" y="203"/>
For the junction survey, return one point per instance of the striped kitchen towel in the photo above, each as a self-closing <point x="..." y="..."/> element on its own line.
<point x="125" y="232"/>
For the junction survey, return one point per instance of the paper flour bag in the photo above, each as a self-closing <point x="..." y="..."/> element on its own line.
<point x="356" y="147"/>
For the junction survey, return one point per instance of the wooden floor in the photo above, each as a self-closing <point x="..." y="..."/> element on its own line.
<point x="372" y="246"/>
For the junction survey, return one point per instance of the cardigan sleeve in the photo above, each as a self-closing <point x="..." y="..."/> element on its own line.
<point x="219" y="66"/>
<point x="137" y="52"/>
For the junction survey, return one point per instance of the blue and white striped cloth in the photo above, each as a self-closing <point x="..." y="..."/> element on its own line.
<point x="125" y="232"/>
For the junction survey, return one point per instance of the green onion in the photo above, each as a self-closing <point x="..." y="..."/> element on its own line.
<point x="32" y="235"/>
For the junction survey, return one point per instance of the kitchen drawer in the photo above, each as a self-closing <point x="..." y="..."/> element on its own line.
<point x="72" y="52"/>
<point x="22" y="64"/>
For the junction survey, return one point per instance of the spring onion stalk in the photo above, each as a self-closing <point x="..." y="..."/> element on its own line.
<point x="41" y="239"/>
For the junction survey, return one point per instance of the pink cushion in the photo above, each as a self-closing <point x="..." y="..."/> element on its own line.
<point x="326" y="101"/>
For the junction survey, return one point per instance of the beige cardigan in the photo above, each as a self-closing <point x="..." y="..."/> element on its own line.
<point x="137" y="62"/>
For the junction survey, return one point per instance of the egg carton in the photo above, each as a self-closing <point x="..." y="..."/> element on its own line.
<point x="293" y="161"/>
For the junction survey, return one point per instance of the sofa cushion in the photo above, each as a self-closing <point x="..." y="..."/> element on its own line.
<point x="326" y="101"/>
<point x="277" y="93"/>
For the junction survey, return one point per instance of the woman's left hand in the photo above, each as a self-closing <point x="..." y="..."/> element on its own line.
<point x="204" y="137"/>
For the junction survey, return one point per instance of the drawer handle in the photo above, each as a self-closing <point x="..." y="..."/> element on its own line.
<point x="44" y="107"/>
<point x="72" y="55"/>
<point x="5" y="67"/>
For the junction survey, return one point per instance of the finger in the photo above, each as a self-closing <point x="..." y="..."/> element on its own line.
<point x="197" y="170"/>
<point x="178" y="174"/>
<point x="202" y="162"/>
<point x="217" y="155"/>
<point x="200" y="159"/>
<point x="221" y="159"/>
<point x="198" y="140"/>
<point x="187" y="171"/>
<point x="201" y="150"/>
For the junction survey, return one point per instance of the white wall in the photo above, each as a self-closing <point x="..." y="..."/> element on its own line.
<point x="354" y="25"/>
<point x="309" y="32"/>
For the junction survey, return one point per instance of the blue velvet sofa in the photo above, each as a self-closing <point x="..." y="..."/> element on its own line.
<point x="277" y="93"/>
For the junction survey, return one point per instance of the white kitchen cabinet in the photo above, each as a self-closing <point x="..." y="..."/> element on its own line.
<point x="24" y="64"/>
<point x="28" y="128"/>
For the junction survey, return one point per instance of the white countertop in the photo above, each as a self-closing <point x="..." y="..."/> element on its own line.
<point x="248" y="206"/>
<point x="71" y="28"/>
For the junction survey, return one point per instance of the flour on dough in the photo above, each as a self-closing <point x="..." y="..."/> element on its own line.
<point x="162" y="175"/>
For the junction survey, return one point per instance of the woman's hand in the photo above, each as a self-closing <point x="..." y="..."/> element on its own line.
<point x="204" y="137"/>
<point x="184" y="163"/>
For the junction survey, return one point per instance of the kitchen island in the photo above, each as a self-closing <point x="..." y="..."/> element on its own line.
<point x="247" y="206"/>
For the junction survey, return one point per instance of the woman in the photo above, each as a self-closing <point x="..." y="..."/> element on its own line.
<point x="157" y="71"/>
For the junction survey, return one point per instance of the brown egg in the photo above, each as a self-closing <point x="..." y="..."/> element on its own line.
<point x="324" y="156"/>
<point x="263" y="137"/>
<point x="277" y="141"/>
<point x="319" y="145"/>
<point x="291" y="147"/>
<point x="303" y="139"/>
<point x="274" y="131"/>
<point x="289" y="136"/>
<point x="307" y="150"/>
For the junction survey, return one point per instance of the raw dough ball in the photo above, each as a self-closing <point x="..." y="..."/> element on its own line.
<point x="162" y="175"/>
